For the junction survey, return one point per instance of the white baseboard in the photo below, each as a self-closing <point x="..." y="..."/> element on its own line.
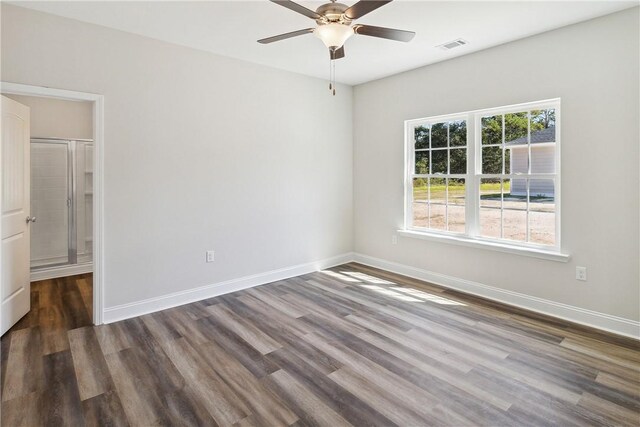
<point x="63" y="271"/>
<point x="138" y="308"/>
<point x="594" y="319"/>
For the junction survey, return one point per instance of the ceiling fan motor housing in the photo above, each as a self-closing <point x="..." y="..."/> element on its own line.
<point x="333" y="13"/>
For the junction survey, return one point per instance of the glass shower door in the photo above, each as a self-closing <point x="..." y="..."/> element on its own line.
<point x="50" y="201"/>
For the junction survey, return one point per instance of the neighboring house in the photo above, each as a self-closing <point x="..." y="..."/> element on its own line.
<point x="543" y="157"/>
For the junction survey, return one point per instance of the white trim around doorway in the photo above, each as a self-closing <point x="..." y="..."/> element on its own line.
<point x="98" y="176"/>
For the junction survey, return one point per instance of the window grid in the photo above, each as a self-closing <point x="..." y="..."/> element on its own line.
<point x="442" y="175"/>
<point x="505" y="176"/>
<point x="508" y="176"/>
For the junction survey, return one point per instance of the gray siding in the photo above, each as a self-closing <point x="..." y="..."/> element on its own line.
<point x="542" y="161"/>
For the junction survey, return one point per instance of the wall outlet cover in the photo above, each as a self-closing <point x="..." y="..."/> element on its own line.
<point x="581" y="273"/>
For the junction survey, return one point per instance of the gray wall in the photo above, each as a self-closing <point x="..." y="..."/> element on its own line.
<point x="593" y="67"/>
<point x="201" y="152"/>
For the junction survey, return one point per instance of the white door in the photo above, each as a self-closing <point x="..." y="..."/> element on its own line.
<point x="14" y="281"/>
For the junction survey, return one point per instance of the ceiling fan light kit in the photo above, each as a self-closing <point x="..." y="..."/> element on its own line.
<point x="333" y="35"/>
<point x="334" y="27"/>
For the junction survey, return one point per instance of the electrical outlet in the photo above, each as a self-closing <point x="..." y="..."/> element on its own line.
<point x="581" y="273"/>
<point x="394" y="239"/>
<point x="210" y="256"/>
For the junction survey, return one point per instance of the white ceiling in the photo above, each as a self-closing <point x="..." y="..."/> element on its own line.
<point x="231" y="28"/>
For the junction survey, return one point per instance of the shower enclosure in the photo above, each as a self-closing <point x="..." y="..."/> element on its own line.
<point x="62" y="203"/>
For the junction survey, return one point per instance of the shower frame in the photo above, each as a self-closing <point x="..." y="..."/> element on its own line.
<point x="72" y="199"/>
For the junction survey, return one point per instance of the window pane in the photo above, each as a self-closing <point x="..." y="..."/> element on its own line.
<point x="438" y="135"/>
<point x="420" y="190"/>
<point x="514" y="224"/>
<point x="458" y="160"/>
<point x="542" y="217"/>
<point x="542" y="228"/>
<point x="541" y="190"/>
<point x="437" y="217"/>
<point x="420" y="208"/>
<point x="491" y="159"/>
<point x="456" y="205"/>
<point x="421" y="134"/>
<point x="490" y="193"/>
<point x="543" y="158"/>
<point x="543" y="126"/>
<point x="458" y="133"/>
<point x="456" y="191"/>
<point x="492" y="130"/>
<point x="438" y="192"/>
<point x="420" y="215"/>
<point x="511" y="200"/>
<point x="422" y="162"/>
<point x="490" y="222"/>
<point x="439" y="161"/>
<point x="518" y="187"/>
<point x="490" y="204"/>
<point x="516" y="128"/>
<point x="437" y="203"/>
<point x="456" y="219"/>
<point x="517" y="158"/>
<point x="507" y="161"/>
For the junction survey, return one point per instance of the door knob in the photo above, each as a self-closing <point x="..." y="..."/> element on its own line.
<point x="31" y="219"/>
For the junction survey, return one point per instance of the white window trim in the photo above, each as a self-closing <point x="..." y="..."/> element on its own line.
<point x="471" y="236"/>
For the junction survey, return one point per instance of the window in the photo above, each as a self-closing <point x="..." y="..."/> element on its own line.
<point x="440" y="170"/>
<point x="489" y="175"/>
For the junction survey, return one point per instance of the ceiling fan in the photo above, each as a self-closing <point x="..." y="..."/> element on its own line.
<point x="335" y="25"/>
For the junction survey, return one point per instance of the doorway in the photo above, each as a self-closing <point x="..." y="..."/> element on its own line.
<point x="66" y="201"/>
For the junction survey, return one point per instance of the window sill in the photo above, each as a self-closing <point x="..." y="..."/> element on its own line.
<point x="481" y="244"/>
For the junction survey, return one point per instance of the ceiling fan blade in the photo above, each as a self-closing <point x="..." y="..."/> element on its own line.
<point x="337" y="54"/>
<point x="297" y="8"/>
<point x="285" y="36"/>
<point x="384" y="33"/>
<point x="363" y="7"/>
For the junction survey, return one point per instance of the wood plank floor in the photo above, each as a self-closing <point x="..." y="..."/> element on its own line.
<point x="348" y="346"/>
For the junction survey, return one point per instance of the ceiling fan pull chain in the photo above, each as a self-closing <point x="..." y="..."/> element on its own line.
<point x="333" y="76"/>
<point x="330" y="79"/>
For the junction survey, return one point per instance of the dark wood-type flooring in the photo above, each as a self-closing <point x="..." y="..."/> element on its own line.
<point x="351" y="345"/>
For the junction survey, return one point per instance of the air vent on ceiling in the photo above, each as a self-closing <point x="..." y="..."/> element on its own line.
<point x="453" y="44"/>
